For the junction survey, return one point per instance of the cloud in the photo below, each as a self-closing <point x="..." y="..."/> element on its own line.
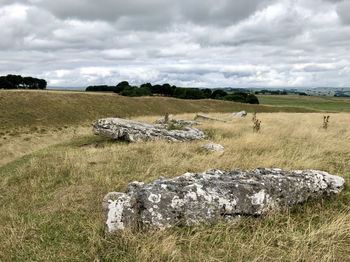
<point x="343" y="9"/>
<point x="198" y="43"/>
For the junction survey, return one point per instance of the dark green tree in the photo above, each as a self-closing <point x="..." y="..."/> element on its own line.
<point x="207" y="92"/>
<point x="5" y="84"/>
<point x="17" y="81"/>
<point x="101" y="88"/>
<point x="121" y="86"/>
<point x="218" y="94"/>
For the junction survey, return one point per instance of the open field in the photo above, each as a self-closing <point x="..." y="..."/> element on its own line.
<point x="31" y="110"/>
<point x="323" y="103"/>
<point x="51" y="199"/>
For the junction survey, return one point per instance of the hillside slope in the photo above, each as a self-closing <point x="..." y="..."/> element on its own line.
<point x="24" y="108"/>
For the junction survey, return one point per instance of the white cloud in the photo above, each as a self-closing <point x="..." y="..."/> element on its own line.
<point x="202" y="43"/>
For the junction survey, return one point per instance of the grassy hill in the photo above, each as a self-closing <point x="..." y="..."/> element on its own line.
<point x="58" y="108"/>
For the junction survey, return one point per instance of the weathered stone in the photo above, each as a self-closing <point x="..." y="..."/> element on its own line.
<point x="213" y="147"/>
<point x="133" y="131"/>
<point x="239" y="114"/>
<point x="208" y="118"/>
<point x="178" y="122"/>
<point x="213" y="195"/>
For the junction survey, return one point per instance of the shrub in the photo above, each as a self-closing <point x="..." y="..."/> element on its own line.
<point x="172" y="126"/>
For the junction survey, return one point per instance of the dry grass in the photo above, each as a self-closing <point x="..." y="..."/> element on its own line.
<point x="51" y="200"/>
<point x="25" y="142"/>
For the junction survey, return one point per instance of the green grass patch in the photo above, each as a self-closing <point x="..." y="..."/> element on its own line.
<point x="324" y="103"/>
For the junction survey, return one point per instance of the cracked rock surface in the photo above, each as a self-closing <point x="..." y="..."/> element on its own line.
<point x="133" y="131"/>
<point x="213" y="195"/>
<point x="178" y="122"/>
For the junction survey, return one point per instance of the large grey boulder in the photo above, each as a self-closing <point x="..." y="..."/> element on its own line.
<point x="178" y="122"/>
<point x="213" y="195"/>
<point x="133" y="131"/>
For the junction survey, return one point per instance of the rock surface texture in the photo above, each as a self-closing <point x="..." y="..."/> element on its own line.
<point x="209" y="118"/>
<point x="213" y="147"/>
<point x="239" y="114"/>
<point x="178" y="122"/>
<point x="213" y="195"/>
<point x="128" y="130"/>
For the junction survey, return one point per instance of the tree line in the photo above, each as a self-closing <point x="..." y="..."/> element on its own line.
<point x="19" y="82"/>
<point x="147" y="89"/>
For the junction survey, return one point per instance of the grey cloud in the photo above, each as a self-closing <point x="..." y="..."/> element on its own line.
<point x="107" y="10"/>
<point x="343" y="10"/>
<point x="186" y="43"/>
<point x="223" y="12"/>
<point x="150" y="14"/>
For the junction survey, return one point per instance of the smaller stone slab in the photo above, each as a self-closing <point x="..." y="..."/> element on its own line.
<point x="213" y="147"/>
<point x="239" y="114"/>
<point x="209" y="118"/>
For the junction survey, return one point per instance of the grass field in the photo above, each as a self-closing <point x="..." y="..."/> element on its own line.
<point x="33" y="110"/>
<point x="51" y="199"/>
<point x="322" y="103"/>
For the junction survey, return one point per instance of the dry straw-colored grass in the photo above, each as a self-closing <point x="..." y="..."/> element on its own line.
<point x="51" y="200"/>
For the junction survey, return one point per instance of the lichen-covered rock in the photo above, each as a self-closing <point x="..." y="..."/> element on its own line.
<point x="133" y="131"/>
<point x="207" y="197"/>
<point x="239" y="114"/>
<point x="178" y="122"/>
<point x="213" y="147"/>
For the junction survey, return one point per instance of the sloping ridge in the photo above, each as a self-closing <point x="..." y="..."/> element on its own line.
<point x="24" y="108"/>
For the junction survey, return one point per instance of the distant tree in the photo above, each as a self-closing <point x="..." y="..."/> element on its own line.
<point x="302" y="94"/>
<point x="136" y="91"/>
<point x="143" y="91"/>
<point x="42" y="84"/>
<point x="147" y="85"/>
<point x="5" y="84"/>
<point x="207" y="92"/>
<point x="188" y="93"/>
<point x="180" y="93"/>
<point x="17" y="81"/>
<point x="167" y="90"/>
<point x="252" y="99"/>
<point x="242" y="97"/>
<point x="121" y="86"/>
<point x="218" y="94"/>
<point x="156" y="89"/>
<point x="128" y="91"/>
<point x="194" y="93"/>
<point x="236" y="97"/>
<point x="101" y="88"/>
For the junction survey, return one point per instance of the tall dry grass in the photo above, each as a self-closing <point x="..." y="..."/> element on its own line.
<point x="51" y="200"/>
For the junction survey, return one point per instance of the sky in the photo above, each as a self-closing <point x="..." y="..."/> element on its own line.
<point x="190" y="43"/>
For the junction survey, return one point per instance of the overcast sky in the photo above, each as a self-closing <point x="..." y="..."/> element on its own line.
<point x="203" y="43"/>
